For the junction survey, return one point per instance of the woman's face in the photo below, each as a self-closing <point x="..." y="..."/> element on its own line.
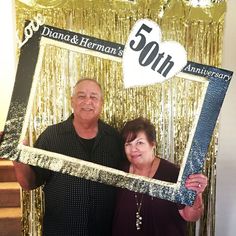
<point x="139" y="151"/>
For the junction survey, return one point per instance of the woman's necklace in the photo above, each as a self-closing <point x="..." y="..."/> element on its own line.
<point x="139" y="218"/>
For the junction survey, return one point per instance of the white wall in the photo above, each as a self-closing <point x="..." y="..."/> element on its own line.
<point x="226" y="159"/>
<point x="7" y="57"/>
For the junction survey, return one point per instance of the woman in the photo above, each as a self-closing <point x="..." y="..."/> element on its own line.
<point x="140" y="214"/>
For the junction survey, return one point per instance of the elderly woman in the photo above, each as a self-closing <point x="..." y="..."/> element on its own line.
<point x="140" y="214"/>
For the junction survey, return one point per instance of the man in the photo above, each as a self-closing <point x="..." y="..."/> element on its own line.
<point x="75" y="206"/>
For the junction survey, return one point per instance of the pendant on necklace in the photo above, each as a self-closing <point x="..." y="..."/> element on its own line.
<point x="138" y="221"/>
<point x="138" y="216"/>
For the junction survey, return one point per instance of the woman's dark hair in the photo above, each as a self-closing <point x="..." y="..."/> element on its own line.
<point x="133" y="127"/>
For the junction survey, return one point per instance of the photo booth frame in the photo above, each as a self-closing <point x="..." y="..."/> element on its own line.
<point x="215" y="80"/>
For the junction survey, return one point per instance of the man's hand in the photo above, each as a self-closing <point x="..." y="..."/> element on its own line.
<point x="1" y="136"/>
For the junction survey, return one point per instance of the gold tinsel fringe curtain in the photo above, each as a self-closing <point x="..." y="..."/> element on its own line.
<point x="198" y="27"/>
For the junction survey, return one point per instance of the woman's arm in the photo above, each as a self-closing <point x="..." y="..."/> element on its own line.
<point x="198" y="183"/>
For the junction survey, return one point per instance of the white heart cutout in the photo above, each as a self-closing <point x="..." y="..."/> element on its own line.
<point x="147" y="60"/>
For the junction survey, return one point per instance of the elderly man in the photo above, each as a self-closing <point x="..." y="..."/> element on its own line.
<point x="75" y="206"/>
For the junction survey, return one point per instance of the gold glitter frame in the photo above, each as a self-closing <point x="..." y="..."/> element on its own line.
<point x="215" y="82"/>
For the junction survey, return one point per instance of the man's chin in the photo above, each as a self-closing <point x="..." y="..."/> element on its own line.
<point x="89" y="117"/>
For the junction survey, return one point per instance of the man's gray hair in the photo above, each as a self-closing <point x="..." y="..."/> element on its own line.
<point x="86" y="79"/>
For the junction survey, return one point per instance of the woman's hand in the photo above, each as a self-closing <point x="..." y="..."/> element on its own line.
<point x="196" y="182"/>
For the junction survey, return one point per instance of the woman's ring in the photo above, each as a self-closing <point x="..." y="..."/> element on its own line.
<point x="199" y="185"/>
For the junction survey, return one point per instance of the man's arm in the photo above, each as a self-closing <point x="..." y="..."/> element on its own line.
<point x="1" y="136"/>
<point x="25" y="176"/>
<point x="24" y="173"/>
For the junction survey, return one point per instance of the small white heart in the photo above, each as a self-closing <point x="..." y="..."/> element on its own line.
<point x="147" y="60"/>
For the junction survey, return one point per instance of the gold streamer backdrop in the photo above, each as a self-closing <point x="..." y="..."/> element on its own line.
<point x="171" y="106"/>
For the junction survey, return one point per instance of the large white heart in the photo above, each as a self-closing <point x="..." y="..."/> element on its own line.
<point x="147" y="60"/>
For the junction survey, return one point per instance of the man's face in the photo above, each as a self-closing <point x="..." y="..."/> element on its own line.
<point x="87" y="101"/>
